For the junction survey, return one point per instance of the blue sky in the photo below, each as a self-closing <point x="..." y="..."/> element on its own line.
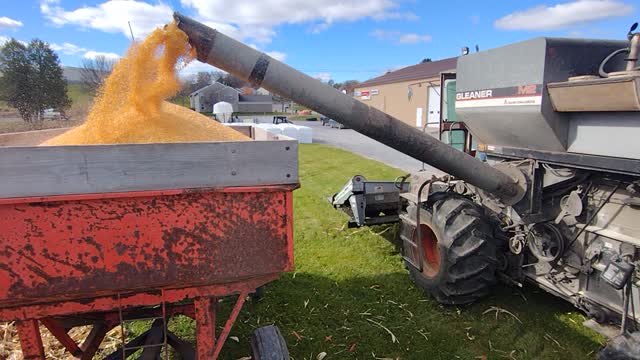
<point x="337" y="39"/>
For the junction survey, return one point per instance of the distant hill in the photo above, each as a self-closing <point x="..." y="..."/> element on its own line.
<point x="72" y="74"/>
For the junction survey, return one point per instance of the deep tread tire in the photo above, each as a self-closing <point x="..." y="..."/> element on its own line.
<point x="467" y="251"/>
<point x="267" y="343"/>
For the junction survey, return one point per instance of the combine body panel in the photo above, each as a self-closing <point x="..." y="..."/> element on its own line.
<point x="502" y="93"/>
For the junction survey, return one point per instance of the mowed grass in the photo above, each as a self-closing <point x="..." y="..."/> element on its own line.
<point x="79" y="96"/>
<point x="351" y="298"/>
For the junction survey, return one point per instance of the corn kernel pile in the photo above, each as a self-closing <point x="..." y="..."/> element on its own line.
<point x="130" y="107"/>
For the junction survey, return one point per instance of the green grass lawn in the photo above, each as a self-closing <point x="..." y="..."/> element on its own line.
<point x="78" y="95"/>
<point x="350" y="293"/>
<point x="298" y="107"/>
<point x="303" y="117"/>
<point x="182" y="100"/>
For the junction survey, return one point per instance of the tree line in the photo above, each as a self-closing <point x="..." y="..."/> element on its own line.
<point x="32" y="80"/>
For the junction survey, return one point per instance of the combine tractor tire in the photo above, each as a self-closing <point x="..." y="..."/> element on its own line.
<point x="459" y="253"/>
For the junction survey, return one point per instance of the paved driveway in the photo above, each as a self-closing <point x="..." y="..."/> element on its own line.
<point x="350" y="140"/>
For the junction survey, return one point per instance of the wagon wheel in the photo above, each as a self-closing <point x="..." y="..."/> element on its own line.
<point x="267" y="343"/>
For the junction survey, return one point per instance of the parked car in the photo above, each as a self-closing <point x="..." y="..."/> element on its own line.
<point x="336" y="125"/>
<point x="52" y="114"/>
<point x="281" y="120"/>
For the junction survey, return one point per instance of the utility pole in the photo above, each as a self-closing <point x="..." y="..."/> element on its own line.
<point x="131" y="31"/>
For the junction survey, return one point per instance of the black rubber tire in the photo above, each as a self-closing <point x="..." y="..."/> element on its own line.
<point x="467" y="250"/>
<point x="267" y="343"/>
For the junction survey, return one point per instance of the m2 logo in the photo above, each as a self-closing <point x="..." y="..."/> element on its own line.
<point x="527" y="89"/>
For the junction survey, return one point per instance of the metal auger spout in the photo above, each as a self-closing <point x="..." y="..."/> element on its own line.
<point x="259" y="69"/>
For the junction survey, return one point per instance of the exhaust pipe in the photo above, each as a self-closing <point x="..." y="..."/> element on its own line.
<point x="223" y="52"/>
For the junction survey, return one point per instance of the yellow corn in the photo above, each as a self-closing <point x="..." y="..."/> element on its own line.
<point x="130" y="107"/>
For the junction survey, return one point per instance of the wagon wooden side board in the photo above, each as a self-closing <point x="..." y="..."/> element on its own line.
<point x="106" y="234"/>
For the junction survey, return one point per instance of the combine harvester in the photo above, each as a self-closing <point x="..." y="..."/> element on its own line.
<point x="559" y="205"/>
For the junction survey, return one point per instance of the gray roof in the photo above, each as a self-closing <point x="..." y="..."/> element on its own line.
<point x="212" y="86"/>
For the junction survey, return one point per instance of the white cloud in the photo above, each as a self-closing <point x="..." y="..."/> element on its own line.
<point x="413" y="38"/>
<point x="108" y="55"/>
<point x="8" y="23"/>
<point x="280" y="56"/>
<point x="563" y="15"/>
<point x="257" y="19"/>
<point x="323" y="76"/>
<point x="400" y="38"/>
<point x="397" y="16"/>
<point x="67" y="48"/>
<point x="6" y="39"/>
<point x="110" y="16"/>
<point x="318" y="28"/>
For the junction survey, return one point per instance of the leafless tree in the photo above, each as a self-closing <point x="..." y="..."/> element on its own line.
<point x="229" y="80"/>
<point x="95" y="71"/>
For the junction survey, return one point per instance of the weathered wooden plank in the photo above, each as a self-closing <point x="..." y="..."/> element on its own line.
<point x="62" y="170"/>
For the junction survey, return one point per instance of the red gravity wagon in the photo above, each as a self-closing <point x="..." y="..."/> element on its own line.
<point x="102" y="235"/>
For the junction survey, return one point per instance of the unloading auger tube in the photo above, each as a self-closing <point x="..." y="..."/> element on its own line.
<point x="259" y="69"/>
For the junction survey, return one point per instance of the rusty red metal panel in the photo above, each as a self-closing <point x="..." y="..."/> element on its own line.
<point x="132" y="194"/>
<point x="205" y="316"/>
<point x="84" y="246"/>
<point x="30" y="340"/>
<point x="127" y="301"/>
<point x="290" y="229"/>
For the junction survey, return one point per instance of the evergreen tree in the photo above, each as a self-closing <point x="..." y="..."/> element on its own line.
<point x="16" y="77"/>
<point x="32" y="79"/>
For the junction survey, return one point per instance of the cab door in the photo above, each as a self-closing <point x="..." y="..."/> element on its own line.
<point x="453" y="131"/>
